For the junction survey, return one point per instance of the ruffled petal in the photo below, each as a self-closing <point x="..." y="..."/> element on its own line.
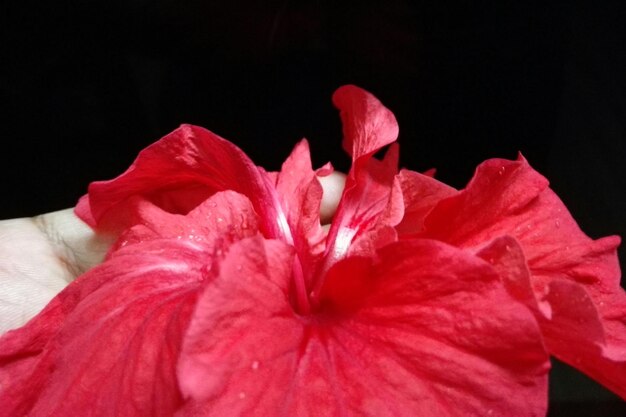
<point x="372" y="198"/>
<point x="430" y="331"/>
<point x="136" y="306"/>
<point x="109" y="342"/>
<point x="223" y="218"/>
<point x="300" y="194"/>
<point x="179" y="172"/>
<point x="570" y="323"/>
<point x="510" y="198"/>
<point x="240" y="351"/>
<point x="367" y="124"/>
<point x="441" y="328"/>
<point x="421" y="192"/>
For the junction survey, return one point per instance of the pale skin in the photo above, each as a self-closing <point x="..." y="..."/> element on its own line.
<point x="40" y="255"/>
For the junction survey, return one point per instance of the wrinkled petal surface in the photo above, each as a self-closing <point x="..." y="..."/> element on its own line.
<point x="510" y="198"/>
<point x="300" y="194"/>
<point x="176" y="174"/>
<point x="114" y="352"/>
<point x="136" y="306"/>
<point x="367" y="124"/>
<point x="417" y="335"/>
<point x="421" y="192"/>
<point x="570" y="322"/>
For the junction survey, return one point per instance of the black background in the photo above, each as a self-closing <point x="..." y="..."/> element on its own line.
<point x="85" y="85"/>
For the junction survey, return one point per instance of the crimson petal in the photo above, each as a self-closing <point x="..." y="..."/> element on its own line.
<point x="510" y="198"/>
<point x="372" y="198"/>
<point x="421" y="192"/>
<point x="571" y="325"/>
<point x="179" y="172"/>
<point x="430" y="331"/>
<point x="223" y="218"/>
<point x="300" y="194"/>
<point x="367" y="124"/>
<point x="114" y="352"/>
<point x="136" y="306"/>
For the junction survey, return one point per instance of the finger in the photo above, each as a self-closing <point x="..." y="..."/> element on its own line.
<point x="332" y="185"/>
<point x="74" y="240"/>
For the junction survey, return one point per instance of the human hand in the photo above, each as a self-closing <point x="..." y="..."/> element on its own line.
<point x="39" y="256"/>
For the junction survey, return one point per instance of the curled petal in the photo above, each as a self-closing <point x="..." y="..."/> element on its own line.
<point x="243" y="336"/>
<point x="367" y="124"/>
<point x="570" y="322"/>
<point x="510" y="198"/>
<point x="431" y="332"/>
<point x="109" y="342"/>
<point x="176" y="174"/>
<point x="421" y="192"/>
<point x="372" y="198"/>
<point x="300" y="194"/>
<point x="220" y="220"/>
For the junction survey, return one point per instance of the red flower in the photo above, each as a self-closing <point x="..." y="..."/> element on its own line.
<point x="508" y="216"/>
<point x="225" y="297"/>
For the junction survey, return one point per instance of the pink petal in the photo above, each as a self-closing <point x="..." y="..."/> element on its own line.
<point x="430" y="331"/>
<point x="367" y="124"/>
<point x="510" y="198"/>
<point x="176" y="174"/>
<point x="242" y="335"/>
<point x="136" y="306"/>
<point x="447" y="321"/>
<point x="372" y="198"/>
<point x="112" y="348"/>
<point x="300" y="194"/>
<point x="572" y="328"/>
<point x="421" y="192"/>
<point x="223" y="218"/>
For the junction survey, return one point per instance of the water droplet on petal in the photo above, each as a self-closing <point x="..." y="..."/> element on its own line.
<point x="242" y="395"/>
<point x="219" y="220"/>
<point x="501" y="171"/>
<point x="239" y="268"/>
<point x="557" y="223"/>
<point x="255" y="365"/>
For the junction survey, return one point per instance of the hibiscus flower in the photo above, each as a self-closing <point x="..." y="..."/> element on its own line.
<point x="224" y="296"/>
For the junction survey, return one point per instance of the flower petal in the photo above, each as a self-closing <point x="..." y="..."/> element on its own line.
<point x="177" y="173"/>
<point x="243" y="335"/>
<point x="570" y="323"/>
<point x="300" y="194"/>
<point x="372" y="198"/>
<point x="109" y="342"/>
<point x="438" y="336"/>
<point x="421" y="192"/>
<point x="510" y="198"/>
<point x="367" y="124"/>
<point x="443" y="330"/>
<point x="223" y="218"/>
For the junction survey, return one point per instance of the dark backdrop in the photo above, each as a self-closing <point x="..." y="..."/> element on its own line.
<point x="85" y="85"/>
